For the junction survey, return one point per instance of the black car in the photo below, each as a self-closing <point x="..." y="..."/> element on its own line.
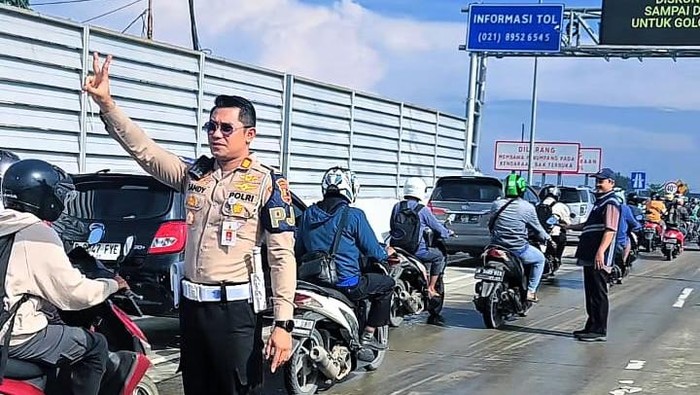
<point x="121" y="206"/>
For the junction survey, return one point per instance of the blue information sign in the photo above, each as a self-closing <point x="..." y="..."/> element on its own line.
<point x="515" y="28"/>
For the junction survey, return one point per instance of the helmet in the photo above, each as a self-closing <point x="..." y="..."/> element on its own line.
<point x="36" y="187"/>
<point x="550" y="190"/>
<point x="655" y="196"/>
<point x="632" y="198"/>
<point x="340" y="181"/>
<point x="515" y="186"/>
<point x="415" y="187"/>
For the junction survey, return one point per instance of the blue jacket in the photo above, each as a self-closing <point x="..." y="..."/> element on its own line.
<point x="427" y="221"/>
<point x="627" y="222"/>
<point x="318" y="228"/>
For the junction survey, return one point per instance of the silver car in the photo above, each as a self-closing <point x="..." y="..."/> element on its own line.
<point x="464" y="202"/>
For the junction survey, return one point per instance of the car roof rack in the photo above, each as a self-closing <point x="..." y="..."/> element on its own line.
<point x="103" y="171"/>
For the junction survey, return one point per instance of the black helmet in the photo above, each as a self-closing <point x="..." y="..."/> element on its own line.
<point x="632" y="198"/>
<point x="550" y="191"/>
<point x="36" y="187"/>
<point x="655" y="196"/>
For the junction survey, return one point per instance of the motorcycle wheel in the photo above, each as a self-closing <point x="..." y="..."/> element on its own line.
<point x="650" y="245"/>
<point x="383" y="337"/>
<point x="146" y="387"/>
<point x="300" y="375"/>
<point x="396" y="319"/>
<point x="492" y="317"/>
<point x="669" y="255"/>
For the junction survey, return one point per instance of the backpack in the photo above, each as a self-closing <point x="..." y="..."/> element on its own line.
<point x="544" y="213"/>
<point x="405" y="228"/>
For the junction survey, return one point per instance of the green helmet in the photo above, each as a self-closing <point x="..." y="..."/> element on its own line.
<point x="515" y="186"/>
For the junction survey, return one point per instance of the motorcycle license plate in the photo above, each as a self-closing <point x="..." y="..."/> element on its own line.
<point x="302" y="327"/>
<point x="489" y="274"/>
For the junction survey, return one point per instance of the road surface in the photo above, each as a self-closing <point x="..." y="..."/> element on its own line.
<point x="653" y="342"/>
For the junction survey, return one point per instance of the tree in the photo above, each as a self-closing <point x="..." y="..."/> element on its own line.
<point x="17" y="3"/>
<point x="623" y="182"/>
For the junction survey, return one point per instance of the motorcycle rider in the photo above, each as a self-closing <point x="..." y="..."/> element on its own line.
<point x="677" y="212"/>
<point x="318" y="227"/>
<point x="39" y="274"/>
<point x="6" y="159"/>
<point x="550" y="195"/>
<point x="510" y="229"/>
<point x="414" y="191"/>
<point x="628" y="224"/>
<point x="656" y="210"/>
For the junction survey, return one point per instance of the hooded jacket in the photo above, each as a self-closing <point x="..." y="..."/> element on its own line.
<point x="39" y="268"/>
<point x="318" y="228"/>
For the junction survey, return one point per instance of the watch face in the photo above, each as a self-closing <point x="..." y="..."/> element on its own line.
<point x="286" y="325"/>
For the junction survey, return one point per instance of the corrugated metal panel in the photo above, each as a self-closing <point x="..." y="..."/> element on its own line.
<point x="169" y="92"/>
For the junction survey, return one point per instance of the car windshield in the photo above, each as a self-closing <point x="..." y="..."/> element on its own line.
<point x="572" y="196"/>
<point x="120" y="199"/>
<point x="466" y="190"/>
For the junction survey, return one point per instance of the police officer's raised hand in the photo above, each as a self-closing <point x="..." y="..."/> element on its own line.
<point x="279" y="348"/>
<point x="97" y="85"/>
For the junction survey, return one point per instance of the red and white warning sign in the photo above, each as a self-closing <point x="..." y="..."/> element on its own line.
<point x="550" y="157"/>
<point x="590" y="160"/>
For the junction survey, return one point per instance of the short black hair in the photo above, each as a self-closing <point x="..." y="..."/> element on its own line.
<point x="247" y="112"/>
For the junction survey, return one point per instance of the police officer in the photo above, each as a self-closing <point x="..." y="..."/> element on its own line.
<point x="233" y="203"/>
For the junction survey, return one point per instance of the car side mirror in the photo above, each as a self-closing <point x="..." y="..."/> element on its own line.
<point x="572" y="215"/>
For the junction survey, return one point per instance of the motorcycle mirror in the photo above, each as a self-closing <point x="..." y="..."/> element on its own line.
<point x="573" y="215"/>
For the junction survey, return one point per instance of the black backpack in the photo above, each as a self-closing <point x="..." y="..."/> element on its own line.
<point x="544" y="213"/>
<point x="405" y="228"/>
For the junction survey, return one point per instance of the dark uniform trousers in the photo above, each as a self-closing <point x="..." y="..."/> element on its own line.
<point x="221" y="350"/>
<point x="595" y="283"/>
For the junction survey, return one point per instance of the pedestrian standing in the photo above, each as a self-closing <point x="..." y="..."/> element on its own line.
<point x="233" y="203"/>
<point x="595" y="252"/>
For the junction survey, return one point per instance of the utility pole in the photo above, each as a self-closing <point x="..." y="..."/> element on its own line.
<point x="193" y="27"/>
<point x="149" y="29"/>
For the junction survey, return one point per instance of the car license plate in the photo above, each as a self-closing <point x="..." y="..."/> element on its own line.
<point x="489" y="274"/>
<point x="303" y="327"/>
<point x="102" y="251"/>
<point x="469" y="218"/>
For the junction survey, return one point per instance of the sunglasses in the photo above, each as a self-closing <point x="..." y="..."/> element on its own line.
<point x="226" y="128"/>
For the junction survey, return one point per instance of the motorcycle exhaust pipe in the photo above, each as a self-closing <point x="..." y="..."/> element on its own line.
<point x="328" y="367"/>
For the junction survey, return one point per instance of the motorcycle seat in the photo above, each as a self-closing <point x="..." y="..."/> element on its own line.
<point x="325" y="291"/>
<point x="18" y="369"/>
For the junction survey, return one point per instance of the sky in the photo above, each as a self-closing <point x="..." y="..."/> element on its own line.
<point x="642" y="114"/>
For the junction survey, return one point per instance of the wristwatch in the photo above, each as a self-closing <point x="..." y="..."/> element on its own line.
<point x="286" y="325"/>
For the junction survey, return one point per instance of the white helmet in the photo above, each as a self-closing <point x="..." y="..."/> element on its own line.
<point x="340" y="181"/>
<point x="415" y="187"/>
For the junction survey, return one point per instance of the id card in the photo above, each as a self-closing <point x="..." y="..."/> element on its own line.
<point x="228" y="233"/>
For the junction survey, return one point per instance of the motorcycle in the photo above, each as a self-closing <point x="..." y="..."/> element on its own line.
<point x="128" y="346"/>
<point x="412" y="278"/>
<point x="551" y="262"/>
<point x="652" y="235"/>
<point x="673" y="241"/>
<point x="502" y="291"/>
<point x="326" y="339"/>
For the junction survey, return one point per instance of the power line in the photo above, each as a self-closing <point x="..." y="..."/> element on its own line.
<point x="140" y="16"/>
<point x="62" y="2"/>
<point x="112" y="11"/>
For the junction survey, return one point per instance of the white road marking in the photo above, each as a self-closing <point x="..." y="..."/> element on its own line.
<point x="635" y="364"/>
<point x="682" y="297"/>
<point x="460" y="278"/>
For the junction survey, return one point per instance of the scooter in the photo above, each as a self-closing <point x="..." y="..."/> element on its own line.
<point x="652" y="235"/>
<point x="127" y="361"/>
<point x="326" y="339"/>
<point x="673" y="242"/>
<point x="412" y="277"/>
<point x="502" y="291"/>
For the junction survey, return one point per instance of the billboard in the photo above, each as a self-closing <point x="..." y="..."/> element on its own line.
<point x="550" y="157"/>
<point x="589" y="160"/>
<point x="650" y="22"/>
